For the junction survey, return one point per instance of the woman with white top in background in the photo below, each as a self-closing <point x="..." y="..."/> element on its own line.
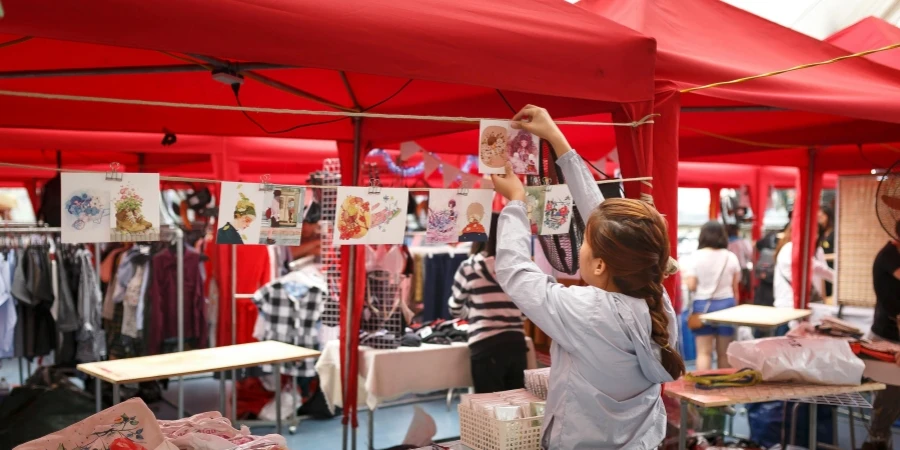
<point x="713" y="275"/>
<point x="783" y="284"/>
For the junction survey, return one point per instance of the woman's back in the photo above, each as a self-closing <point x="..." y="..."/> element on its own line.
<point x="715" y="270"/>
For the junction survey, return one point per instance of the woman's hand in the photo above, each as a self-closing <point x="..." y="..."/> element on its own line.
<point x="538" y="122"/>
<point x="509" y="185"/>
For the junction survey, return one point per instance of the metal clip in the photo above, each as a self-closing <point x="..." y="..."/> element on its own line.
<point x="374" y="180"/>
<point x="264" y="184"/>
<point x="463" y="189"/>
<point x="114" y="174"/>
<point x="546" y="182"/>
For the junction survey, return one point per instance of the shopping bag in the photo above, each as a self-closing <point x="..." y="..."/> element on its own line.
<point x="809" y="360"/>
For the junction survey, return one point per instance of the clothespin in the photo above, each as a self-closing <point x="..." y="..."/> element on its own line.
<point x="114" y="174"/>
<point x="374" y="180"/>
<point x="264" y="184"/>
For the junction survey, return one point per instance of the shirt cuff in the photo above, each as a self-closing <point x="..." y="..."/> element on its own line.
<point x="518" y="203"/>
<point x="571" y="154"/>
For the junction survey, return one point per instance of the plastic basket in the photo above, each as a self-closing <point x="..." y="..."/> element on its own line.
<point x="480" y="432"/>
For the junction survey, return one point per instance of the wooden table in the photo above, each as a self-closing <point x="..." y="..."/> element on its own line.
<point x="219" y="359"/>
<point x="686" y="393"/>
<point x="755" y="316"/>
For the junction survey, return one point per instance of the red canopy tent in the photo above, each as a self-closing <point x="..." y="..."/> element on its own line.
<point x="389" y="56"/>
<point x="869" y="33"/>
<point x="707" y="41"/>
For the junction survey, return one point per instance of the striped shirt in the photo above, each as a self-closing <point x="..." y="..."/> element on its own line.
<point x="478" y="298"/>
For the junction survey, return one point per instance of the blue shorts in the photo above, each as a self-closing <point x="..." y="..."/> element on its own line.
<point x="699" y="307"/>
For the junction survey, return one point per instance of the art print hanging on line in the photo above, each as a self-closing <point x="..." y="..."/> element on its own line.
<point x="557" y="210"/>
<point x="549" y="209"/>
<point x="475" y="224"/>
<point x="96" y="209"/>
<point x="240" y="218"/>
<point x="499" y="143"/>
<point x="455" y="217"/>
<point x="369" y="217"/>
<point x="282" y="222"/>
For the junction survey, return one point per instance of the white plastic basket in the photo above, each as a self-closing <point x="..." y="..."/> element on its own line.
<point x="480" y="432"/>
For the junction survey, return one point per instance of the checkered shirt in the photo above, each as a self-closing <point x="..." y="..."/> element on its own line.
<point x="290" y="313"/>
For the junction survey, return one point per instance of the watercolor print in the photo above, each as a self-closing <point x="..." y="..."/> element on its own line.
<point x="443" y="217"/>
<point x="492" y="146"/>
<point x="371" y="218"/>
<point x="534" y="202"/>
<point x="282" y="221"/>
<point x="85" y="208"/>
<point x="241" y="210"/>
<point x="135" y="208"/>
<point x="522" y="148"/>
<point x="475" y="223"/>
<point x="557" y="210"/>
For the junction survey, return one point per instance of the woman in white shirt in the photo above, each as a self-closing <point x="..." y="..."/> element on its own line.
<point x="713" y="275"/>
<point x="783" y="288"/>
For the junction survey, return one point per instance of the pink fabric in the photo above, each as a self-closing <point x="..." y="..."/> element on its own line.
<point x="131" y="419"/>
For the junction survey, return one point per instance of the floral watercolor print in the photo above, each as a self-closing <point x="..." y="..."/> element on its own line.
<point x="522" y="150"/>
<point x="557" y="210"/>
<point x="443" y="217"/>
<point x="85" y="209"/>
<point x="241" y="212"/>
<point x="135" y="208"/>
<point x="475" y="223"/>
<point x="493" y="150"/>
<point x="364" y="217"/>
<point x="282" y="221"/>
<point x="534" y="203"/>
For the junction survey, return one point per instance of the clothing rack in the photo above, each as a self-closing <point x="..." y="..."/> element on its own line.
<point x="178" y="235"/>
<point x="26" y="228"/>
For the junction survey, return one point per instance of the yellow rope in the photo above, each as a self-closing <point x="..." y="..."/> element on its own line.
<point x="802" y="66"/>
<point x="744" y="141"/>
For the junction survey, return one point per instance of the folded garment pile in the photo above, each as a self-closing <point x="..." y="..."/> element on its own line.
<point x="506" y="405"/>
<point x="132" y="426"/>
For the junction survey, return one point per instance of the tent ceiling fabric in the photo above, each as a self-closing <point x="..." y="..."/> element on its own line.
<point x="868" y="33"/>
<point x="456" y="52"/>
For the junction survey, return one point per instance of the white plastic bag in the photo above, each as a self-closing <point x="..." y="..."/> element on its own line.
<point x="809" y="360"/>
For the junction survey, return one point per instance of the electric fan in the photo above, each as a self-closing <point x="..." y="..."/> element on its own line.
<point x="887" y="200"/>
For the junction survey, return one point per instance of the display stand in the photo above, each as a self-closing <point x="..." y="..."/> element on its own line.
<point x="219" y="359"/>
<point x="686" y="393"/>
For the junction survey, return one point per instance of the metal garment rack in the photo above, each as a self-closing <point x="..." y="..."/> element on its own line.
<point x="294" y="419"/>
<point x="26" y="228"/>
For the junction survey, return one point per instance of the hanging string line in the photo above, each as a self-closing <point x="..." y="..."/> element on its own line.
<point x="744" y="141"/>
<point x="12" y="42"/>
<point x="792" y="69"/>
<point x="643" y="180"/>
<point x="302" y="112"/>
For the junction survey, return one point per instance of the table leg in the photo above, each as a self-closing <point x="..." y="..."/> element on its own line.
<point x="222" y="394"/>
<point x="449" y="398"/>
<point x="21" y="373"/>
<point x="852" y="428"/>
<point x="98" y="394"/>
<point x="233" y="395"/>
<point x="277" y="372"/>
<point x="813" y="426"/>
<point x="292" y="428"/>
<point x="682" y="428"/>
<point x="180" y="397"/>
<point x="115" y="393"/>
<point x="371" y="430"/>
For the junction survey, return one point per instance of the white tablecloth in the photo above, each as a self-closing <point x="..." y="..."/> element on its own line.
<point x="385" y="375"/>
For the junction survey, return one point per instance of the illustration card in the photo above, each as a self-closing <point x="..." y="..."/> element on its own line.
<point x="85" y="208"/>
<point x="443" y="217"/>
<point x="535" y="198"/>
<point x="241" y="213"/>
<point x="370" y="218"/>
<point x="282" y="222"/>
<point x="498" y="143"/>
<point x="557" y="210"/>
<point x="134" y="216"/>
<point x="475" y="221"/>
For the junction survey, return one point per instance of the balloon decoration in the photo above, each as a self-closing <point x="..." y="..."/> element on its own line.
<point x="416" y="169"/>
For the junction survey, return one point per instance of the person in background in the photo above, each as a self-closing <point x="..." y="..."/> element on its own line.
<point x="783" y="284"/>
<point x="886" y="281"/>
<point x="496" y="329"/>
<point x="7" y="205"/>
<point x="713" y="275"/>
<point x="744" y="252"/>
<point x="826" y="239"/>
<point x="614" y="339"/>
<point x="275" y="209"/>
